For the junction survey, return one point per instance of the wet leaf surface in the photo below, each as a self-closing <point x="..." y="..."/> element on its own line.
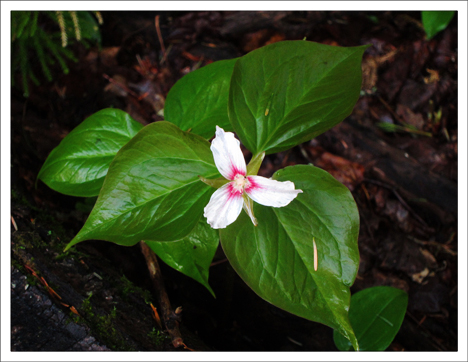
<point x="405" y="185"/>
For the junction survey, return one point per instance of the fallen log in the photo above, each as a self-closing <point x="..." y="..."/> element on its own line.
<point x="395" y="167"/>
<point x="80" y="299"/>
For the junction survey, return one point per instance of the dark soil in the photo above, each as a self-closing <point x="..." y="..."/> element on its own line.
<point x="404" y="183"/>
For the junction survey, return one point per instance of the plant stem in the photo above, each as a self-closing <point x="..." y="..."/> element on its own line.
<point x="170" y="318"/>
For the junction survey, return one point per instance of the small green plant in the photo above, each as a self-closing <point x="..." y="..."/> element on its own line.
<point x="157" y="336"/>
<point x="129" y="288"/>
<point x="104" y="325"/>
<point x="391" y="127"/>
<point x="435" y="21"/>
<point x="376" y="315"/>
<point x="44" y="36"/>
<point x="296" y="243"/>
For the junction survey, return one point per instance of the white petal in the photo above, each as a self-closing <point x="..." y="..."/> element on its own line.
<point x="270" y="192"/>
<point x="224" y="207"/>
<point x="227" y="154"/>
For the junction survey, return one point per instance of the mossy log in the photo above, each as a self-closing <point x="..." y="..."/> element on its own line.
<point x="77" y="300"/>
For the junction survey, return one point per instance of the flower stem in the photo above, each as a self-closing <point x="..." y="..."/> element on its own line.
<point x="255" y="163"/>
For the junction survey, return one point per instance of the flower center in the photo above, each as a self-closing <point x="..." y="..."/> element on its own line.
<point x="239" y="183"/>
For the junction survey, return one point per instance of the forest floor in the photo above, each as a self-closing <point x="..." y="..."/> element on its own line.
<point x="404" y="183"/>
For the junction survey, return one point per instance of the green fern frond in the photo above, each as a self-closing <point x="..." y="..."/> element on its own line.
<point x="29" y="37"/>
<point x="33" y="27"/>
<point x="54" y="38"/>
<point x="21" y="19"/>
<point x="24" y="65"/>
<point x="42" y="59"/>
<point x="33" y="77"/>
<point x="76" y="25"/>
<point x="98" y="16"/>
<point x="53" y="48"/>
<point x="69" y="54"/>
<point x="86" y="43"/>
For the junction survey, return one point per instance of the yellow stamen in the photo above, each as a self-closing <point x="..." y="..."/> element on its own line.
<point x="239" y="183"/>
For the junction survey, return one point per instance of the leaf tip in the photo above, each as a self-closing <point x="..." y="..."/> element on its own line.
<point x="211" y="291"/>
<point x="73" y="242"/>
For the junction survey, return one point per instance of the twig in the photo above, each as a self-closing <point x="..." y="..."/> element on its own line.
<point x="158" y="30"/>
<point x="170" y="318"/>
<point x="305" y="154"/>
<point x="386" y="105"/>
<point x="218" y="262"/>
<point x="435" y="342"/>
<point x="156" y="316"/>
<point x="14" y="223"/>
<point x="403" y="202"/>
<point x="399" y="119"/>
<point x="120" y="85"/>
<point x="440" y="246"/>
<point x="285" y="158"/>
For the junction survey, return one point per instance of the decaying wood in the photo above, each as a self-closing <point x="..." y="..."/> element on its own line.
<point x="39" y="324"/>
<point x="399" y="170"/>
<point x="237" y="23"/>
<point x="77" y="300"/>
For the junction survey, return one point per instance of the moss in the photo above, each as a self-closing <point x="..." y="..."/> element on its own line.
<point x="32" y="281"/>
<point x="59" y="239"/>
<point x="86" y="307"/>
<point x="127" y="287"/>
<point x="14" y="194"/>
<point x="72" y="318"/>
<point x="104" y="323"/>
<point x="58" y="235"/>
<point x="157" y="337"/>
<point x="26" y="240"/>
<point x="69" y="254"/>
<point x="21" y="199"/>
<point x="104" y="326"/>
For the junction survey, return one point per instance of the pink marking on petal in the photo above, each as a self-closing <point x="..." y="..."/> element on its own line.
<point x="233" y="192"/>
<point x="235" y="171"/>
<point x="252" y="185"/>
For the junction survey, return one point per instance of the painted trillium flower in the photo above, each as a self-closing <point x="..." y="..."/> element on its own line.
<point x="227" y="202"/>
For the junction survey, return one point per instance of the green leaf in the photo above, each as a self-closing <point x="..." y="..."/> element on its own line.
<point x="152" y="190"/>
<point x="435" y="21"/>
<point x="276" y="258"/>
<point x="198" y="101"/>
<point x="289" y="92"/>
<point x="191" y="255"/>
<point x="376" y="315"/>
<point x="79" y="164"/>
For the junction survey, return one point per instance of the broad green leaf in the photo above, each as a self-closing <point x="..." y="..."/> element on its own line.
<point x="376" y="315"/>
<point x="198" y="101"/>
<point x="152" y="190"/>
<point x="435" y="21"/>
<point x="276" y="258"/>
<point x="289" y="92"/>
<point x="191" y="255"/>
<point x="79" y="164"/>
